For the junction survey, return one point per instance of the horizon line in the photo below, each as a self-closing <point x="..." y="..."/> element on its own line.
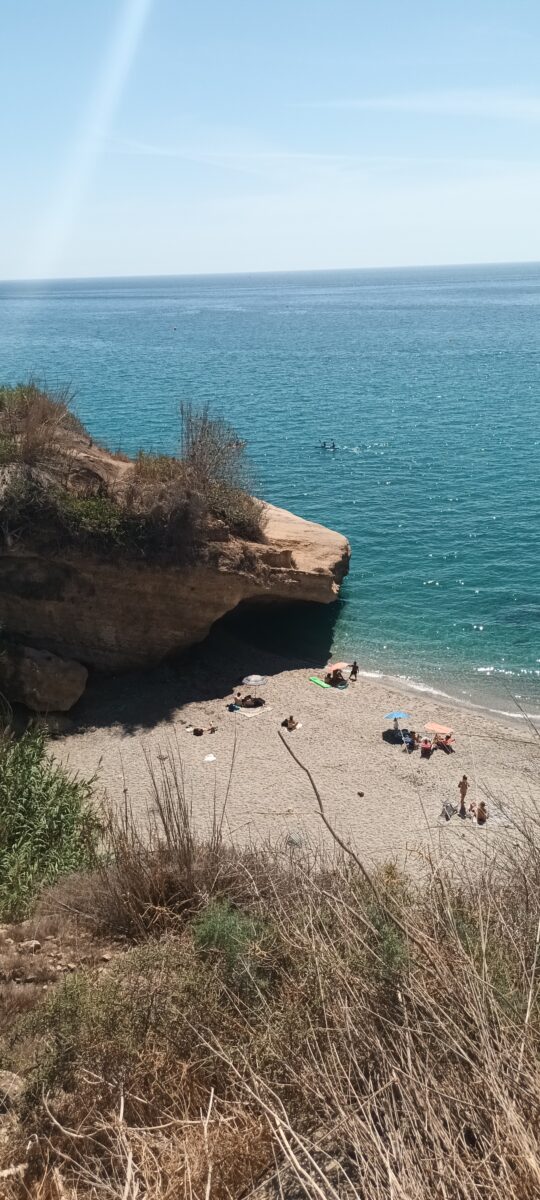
<point x="505" y="262"/>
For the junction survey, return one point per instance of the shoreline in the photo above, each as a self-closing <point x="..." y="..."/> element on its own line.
<point x="405" y="682"/>
<point x="123" y="722"/>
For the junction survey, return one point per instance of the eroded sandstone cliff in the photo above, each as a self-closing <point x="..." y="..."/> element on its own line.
<point x="117" y="563"/>
<point x="116" y="615"/>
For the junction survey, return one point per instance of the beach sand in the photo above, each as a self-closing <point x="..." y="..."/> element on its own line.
<point x="123" y="721"/>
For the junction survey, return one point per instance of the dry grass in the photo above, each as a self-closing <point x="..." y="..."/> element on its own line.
<point x="375" y="1036"/>
<point x="164" y="508"/>
<point x="34" y="424"/>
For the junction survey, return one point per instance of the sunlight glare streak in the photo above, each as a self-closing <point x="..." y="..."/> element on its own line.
<point x="56" y="228"/>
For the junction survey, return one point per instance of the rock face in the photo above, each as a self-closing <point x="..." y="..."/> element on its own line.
<point x="39" y="679"/>
<point x="115" y="616"/>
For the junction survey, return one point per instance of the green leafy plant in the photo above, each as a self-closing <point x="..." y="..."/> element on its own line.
<point x="47" y="825"/>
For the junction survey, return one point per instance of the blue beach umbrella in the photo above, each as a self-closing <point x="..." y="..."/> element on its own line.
<point x="396" y="716"/>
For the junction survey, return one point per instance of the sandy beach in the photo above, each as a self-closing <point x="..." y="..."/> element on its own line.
<point x="124" y="721"/>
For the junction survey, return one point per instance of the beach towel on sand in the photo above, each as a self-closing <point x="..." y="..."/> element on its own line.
<point x="319" y="682"/>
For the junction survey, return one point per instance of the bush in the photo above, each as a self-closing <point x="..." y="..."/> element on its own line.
<point x="34" y="423"/>
<point x="47" y="825"/>
<point x="226" y="930"/>
<point x="161" y="508"/>
<point x="114" y="1024"/>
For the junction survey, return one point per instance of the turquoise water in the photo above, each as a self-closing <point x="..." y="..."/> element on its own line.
<point x="429" y="383"/>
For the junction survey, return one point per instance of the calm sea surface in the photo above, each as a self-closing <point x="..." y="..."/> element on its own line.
<point x="429" y="383"/>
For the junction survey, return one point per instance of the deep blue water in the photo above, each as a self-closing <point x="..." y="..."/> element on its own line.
<point x="428" y="380"/>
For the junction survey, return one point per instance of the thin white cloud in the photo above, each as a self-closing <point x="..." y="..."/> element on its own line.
<point x="232" y="157"/>
<point x="492" y="104"/>
<point x="251" y="160"/>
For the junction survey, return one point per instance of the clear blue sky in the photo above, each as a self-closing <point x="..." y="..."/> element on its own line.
<point x="167" y="136"/>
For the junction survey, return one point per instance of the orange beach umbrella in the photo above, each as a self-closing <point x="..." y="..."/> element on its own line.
<point x="433" y="728"/>
<point x="338" y="666"/>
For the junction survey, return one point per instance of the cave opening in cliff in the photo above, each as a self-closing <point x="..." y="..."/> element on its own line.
<point x="302" y="633"/>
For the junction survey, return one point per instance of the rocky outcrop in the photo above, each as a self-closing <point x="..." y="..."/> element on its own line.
<point x="39" y="679"/>
<point x="118" y="563"/>
<point x="119" y="615"/>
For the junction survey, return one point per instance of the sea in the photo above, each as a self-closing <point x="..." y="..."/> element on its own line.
<point x="427" y="381"/>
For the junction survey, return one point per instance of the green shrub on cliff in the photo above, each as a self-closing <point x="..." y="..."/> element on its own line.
<point x="47" y="826"/>
<point x="58" y="490"/>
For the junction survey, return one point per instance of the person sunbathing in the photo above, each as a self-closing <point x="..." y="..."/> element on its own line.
<point x="335" y="678"/>
<point x="426" y="748"/>
<point x="252" y="702"/>
<point x="289" y="723"/>
<point x="441" y="743"/>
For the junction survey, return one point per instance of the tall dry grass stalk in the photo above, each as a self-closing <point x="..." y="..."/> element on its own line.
<point x="34" y="423"/>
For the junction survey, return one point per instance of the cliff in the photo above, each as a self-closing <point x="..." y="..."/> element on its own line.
<point x="117" y="563"/>
<point x="116" y="615"/>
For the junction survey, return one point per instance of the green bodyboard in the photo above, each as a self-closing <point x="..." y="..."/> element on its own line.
<point x="319" y="682"/>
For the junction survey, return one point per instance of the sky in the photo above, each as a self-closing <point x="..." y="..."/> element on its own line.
<point x="147" y="137"/>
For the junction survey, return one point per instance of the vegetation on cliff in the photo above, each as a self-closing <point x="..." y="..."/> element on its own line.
<point x="379" y="1035"/>
<point x="58" y="490"/>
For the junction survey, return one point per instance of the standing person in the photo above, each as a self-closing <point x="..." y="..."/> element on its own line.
<point x="463" y="787"/>
<point x="354" y="671"/>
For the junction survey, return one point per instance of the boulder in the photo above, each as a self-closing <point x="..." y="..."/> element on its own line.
<point x="42" y="681"/>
